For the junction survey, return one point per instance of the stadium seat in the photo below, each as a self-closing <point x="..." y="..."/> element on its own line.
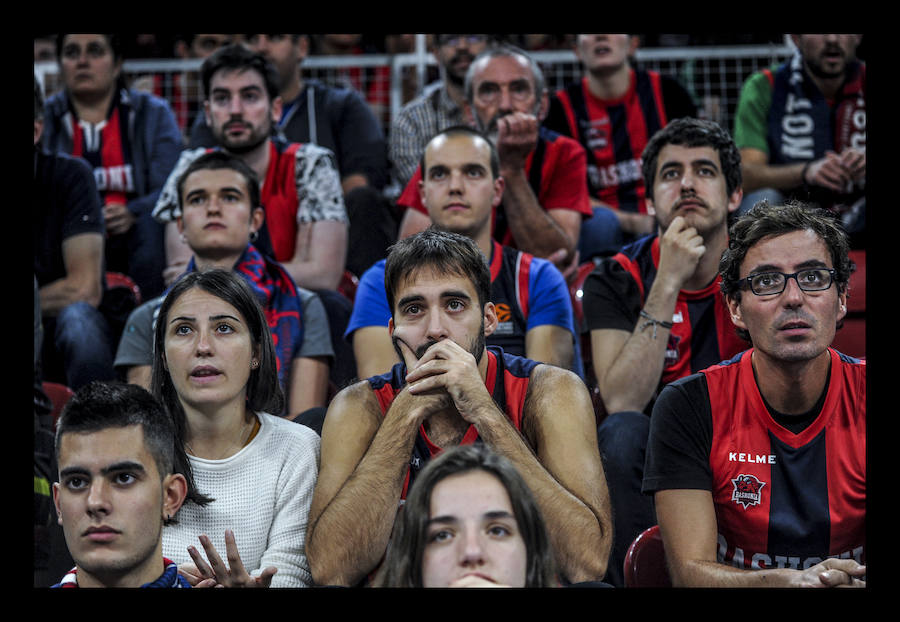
<point x="645" y="561"/>
<point x="58" y="394"/>
<point x="851" y="337"/>
<point x="116" y="280"/>
<point x="576" y="292"/>
<point x="347" y="286"/>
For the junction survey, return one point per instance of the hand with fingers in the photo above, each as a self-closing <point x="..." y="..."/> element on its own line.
<point x="831" y="172"/>
<point x="216" y="573"/>
<point x="833" y="573"/>
<point x="516" y="139"/>
<point x="680" y="250"/>
<point x="447" y="366"/>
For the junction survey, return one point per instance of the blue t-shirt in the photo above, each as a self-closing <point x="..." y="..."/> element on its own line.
<point x="548" y="302"/>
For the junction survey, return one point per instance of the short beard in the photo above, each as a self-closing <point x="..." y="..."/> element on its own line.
<point x="476" y="346"/>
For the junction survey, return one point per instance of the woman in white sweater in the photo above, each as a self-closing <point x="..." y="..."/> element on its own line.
<point x="251" y="474"/>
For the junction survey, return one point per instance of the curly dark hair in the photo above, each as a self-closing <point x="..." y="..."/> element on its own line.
<point x="764" y="220"/>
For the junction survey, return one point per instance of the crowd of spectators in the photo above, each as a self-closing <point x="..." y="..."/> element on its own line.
<point x="599" y="269"/>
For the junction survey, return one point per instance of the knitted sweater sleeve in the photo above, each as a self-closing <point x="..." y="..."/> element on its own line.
<point x="296" y="479"/>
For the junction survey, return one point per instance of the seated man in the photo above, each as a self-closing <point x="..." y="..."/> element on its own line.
<point x="758" y="464"/>
<point x="68" y="241"/>
<point x="801" y="129"/>
<point x="452" y="389"/>
<point x="461" y="188"/>
<point x="220" y="213"/>
<point x="546" y="195"/>
<point x="115" y="447"/>
<point x="306" y="221"/>
<point x="613" y="110"/>
<point x="654" y="310"/>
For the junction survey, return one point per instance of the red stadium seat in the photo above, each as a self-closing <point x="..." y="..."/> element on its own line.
<point x="117" y="279"/>
<point x="58" y="394"/>
<point x="347" y="286"/>
<point x="576" y="292"/>
<point x="645" y="561"/>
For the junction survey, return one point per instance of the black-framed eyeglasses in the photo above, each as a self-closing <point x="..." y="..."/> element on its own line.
<point x="809" y="280"/>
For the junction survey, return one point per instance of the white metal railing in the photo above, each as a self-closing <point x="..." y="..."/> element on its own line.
<point x="713" y="75"/>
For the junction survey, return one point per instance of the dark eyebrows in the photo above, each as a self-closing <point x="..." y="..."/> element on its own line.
<point x="809" y="263"/>
<point x="699" y="162"/>
<point x="453" y="293"/>
<point x="116" y="467"/>
<point x="450" y="519"/>
<point x="214" y="318"/>
<point x="204" y="191"/>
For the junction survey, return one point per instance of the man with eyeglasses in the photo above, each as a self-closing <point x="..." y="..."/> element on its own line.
<point x="654" y="309"/>
<point x="440" y="106"/>
<point x="758" y="464"/>
<point x="545" y="173"/>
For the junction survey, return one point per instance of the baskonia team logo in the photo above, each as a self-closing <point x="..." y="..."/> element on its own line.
<point x="747" y="490"/>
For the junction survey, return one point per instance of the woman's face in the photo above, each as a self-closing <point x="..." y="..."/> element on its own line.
<point x="87" y="64"/>
<point x="209" y="351"/>
<point x="472" y="537"/>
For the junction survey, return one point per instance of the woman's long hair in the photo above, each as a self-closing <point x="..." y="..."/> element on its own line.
<point x="403" y="564"/>
<point x="264" y="393"/>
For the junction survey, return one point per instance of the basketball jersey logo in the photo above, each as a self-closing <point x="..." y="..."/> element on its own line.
<point x="747" y="490"/>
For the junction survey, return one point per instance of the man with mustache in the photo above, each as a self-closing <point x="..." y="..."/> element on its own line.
<point x="441" y="104"/>
<point x="801" y="129"/>
<point x="546" y="195"/>
<point x="654" y="310"/>
<point x="306" y="222"/>
<point x="758" y="464"/>
<point x="451" y="389"/>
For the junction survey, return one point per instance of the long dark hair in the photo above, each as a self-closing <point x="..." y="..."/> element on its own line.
<point x="403" y="563"/>
<point x="264" y="392"/>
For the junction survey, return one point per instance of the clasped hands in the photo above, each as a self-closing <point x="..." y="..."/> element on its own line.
<point x="446" y="375"/>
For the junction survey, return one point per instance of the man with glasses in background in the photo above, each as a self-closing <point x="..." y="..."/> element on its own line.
<point x="758" y="464"/>
<point x="545" y="173"/>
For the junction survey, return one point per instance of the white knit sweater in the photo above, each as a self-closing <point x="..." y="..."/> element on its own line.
<point x="263" y="494"/>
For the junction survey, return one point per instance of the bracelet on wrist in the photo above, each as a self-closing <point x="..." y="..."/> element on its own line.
<point x="652" y="321"/>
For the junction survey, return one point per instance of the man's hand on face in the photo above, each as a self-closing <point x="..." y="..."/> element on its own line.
<point x="680" y="250"/>
<point x="516" y="138"/>
<point x="426" y="402"/>
<point x="446" y="367"/>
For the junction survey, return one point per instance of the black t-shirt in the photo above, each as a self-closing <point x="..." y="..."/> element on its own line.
<point x="65" y="202"/>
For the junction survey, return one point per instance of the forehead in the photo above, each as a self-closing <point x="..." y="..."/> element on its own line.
<point x="502" y="69"/>
<point x="786" y="252"/>
<point x="197" y="301"/>
<point x="429" y="282"/>
<point x="214" y="179"/>
<point x="685" y="156"/>
<point x="237" y="79"/>
<point x="83" y="39"/>
<point x="455" y="149"/>
<point x="97" y="450"/>
<point x="475" y="491"/>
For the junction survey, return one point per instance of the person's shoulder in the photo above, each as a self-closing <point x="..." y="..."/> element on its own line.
<point x="145" y="99"/>
<point x="282" y="429"/>
<point x="65" y="164"/>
